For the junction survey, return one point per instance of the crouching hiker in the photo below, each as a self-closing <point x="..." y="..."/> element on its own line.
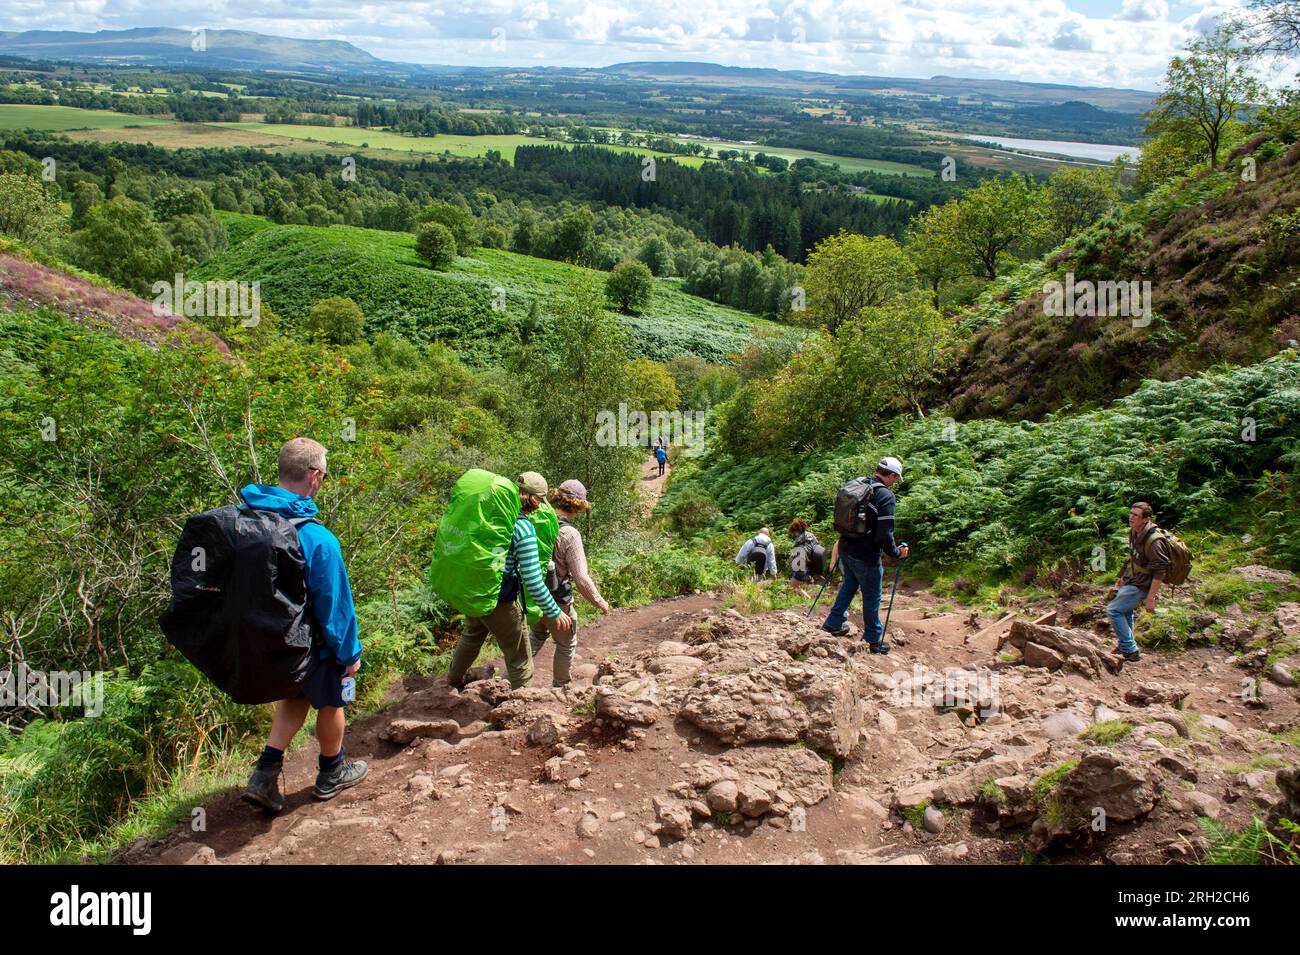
<point x="330" y="685"/>
<point x="485" y="557"/>
<point x="807" y="556"/>
<point x="568" y="570"/>
<point x="1153" y="554"/>
<point x="760" y="553"/>
<point x="864" y="518"/>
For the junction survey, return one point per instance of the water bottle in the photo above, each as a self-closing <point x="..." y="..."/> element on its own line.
<point x="349" y="689"/>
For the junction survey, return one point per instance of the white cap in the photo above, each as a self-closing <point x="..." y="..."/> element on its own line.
<point x="892" y="465"/>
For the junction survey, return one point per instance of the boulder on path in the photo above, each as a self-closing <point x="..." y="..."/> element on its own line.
<point x="612" y="704"/>
<point x="404" y="731"/>
<point x="1082" y="650"/>
<point x="1146" y="694"/>
<point x="1103" y="788"/>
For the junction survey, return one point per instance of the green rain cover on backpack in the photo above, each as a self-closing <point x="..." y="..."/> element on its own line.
<point x="547" y="525"/>
<point x="469" y="552"/>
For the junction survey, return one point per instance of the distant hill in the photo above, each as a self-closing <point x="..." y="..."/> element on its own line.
<point x="241" y="49"/>
<point x="1014" y="91"/>
<point x="163" y="46"/>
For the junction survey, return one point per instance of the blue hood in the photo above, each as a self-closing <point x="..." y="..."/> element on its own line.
<point x="268" y="497"/>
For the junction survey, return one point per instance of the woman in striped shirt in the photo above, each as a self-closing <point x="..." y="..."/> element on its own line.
<point x="506" y="623"/>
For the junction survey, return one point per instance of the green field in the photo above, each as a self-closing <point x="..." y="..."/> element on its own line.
<point x="55" y="118"/>
<point x="469" y="306"/>
<point x="846" y="163"/>
<point x="456" y="145"/>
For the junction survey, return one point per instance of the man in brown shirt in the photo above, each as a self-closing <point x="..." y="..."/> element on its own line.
<point x="1140" y="578"/>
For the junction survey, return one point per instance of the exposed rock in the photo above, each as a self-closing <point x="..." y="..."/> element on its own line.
<point x="563" y="769"/>
<point x="588" y="825"/>
<point x="1257" y="573"/>
<point x="404" y="731"/>
<point x="614" y="704"/>
<point x="934" y="820"/>
<point x="1287" y="807"/>
<point x="545" y="730"/>
<point x="1062" y="725"/>
<point x="1203" y="804"/>
<point x="722" y="796"/>
<point x="674" y="817"/>
<point x="1145" y="694"/>
<point x="1288" y="619"/>
<point x="189" y="853"/>
<point x="1281" y="675"/>
<point x="1035" y="655"/>
<point x="1084" y="650"/>
<point x="1121" y="787"/>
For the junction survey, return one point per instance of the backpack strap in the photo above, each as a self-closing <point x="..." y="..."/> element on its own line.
<point x="1144" y="547"/>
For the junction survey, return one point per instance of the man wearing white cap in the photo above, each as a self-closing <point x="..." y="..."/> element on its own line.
<point x="859" y="555"/>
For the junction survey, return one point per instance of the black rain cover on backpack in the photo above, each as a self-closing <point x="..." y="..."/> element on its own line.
<point x="239" y="603"/>
<point x="855" y="509"/>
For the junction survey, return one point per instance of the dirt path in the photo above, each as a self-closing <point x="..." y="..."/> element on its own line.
<point x="651" y="485"/>
<point x="483" y="795"/>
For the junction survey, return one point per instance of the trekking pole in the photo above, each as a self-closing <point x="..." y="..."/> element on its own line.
<point x="898" y="570"/>
<point x="823" y="590"/>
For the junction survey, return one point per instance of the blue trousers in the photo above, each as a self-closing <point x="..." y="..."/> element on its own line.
<point x="859" y="575"/>
<point x="1120" y="610"/>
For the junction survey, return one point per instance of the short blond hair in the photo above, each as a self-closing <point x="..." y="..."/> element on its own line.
<point x="299" y="456"/>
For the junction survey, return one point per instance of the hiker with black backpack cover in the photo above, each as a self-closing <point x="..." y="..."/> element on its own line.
<point x="567" y="571"/>
<point x="864" y="518"/>
<point x="1155" y="557"/>
<point x="261" y="603"/>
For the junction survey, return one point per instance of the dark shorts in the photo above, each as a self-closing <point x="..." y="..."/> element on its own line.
<point x="325" y="685"/>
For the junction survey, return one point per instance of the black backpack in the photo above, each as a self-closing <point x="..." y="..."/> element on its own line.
<point x="239" y="608"/>
<point x="855" y="508"/>
<point x="808" y="556"/>
<point x="560" y="592"/>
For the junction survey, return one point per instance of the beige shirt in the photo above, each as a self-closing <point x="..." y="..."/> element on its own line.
<point x="571" y="564"/>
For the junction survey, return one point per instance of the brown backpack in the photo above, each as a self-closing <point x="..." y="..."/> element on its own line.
<point x="1180" y="557"/>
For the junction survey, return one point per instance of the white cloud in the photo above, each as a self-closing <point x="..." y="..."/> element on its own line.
<point x="1041" y="40"/>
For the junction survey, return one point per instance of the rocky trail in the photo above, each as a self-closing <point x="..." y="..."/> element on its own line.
<point x="693" y="734"/>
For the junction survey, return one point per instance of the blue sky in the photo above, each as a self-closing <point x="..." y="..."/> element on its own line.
<point x="1086" y="42"/>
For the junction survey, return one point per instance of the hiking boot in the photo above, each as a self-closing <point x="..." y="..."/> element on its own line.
<point x="263" y="789"/>
<point x="841" y="632"/>
<point x="1133" y="657"/>
<point x="331" y="782"/>
<point x="880" y="646"/>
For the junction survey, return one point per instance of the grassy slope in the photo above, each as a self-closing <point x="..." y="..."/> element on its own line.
<point x="1225" y="282"/>
<point x="299" y="265"/>
<point x="19" y="116"/>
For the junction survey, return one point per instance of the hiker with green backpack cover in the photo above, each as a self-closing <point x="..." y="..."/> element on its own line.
<point x="488" y="554"/>
<point x="1156" y="557"/>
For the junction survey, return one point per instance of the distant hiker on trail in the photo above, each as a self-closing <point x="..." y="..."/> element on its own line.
<point x="661" y="455"/>
<point x="522" y="569"/>
<point x="1149" y="559"/>
<point x="330" y="685"/>
<point x="807" y="556"/>
<point x="864" y="517"/>
<point x="760" y="553"/>
<point x="568" y="569"/>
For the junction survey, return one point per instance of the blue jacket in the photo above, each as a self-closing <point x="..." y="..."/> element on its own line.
<point x="328" y="589"/>
<point x="661" y="455"/>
